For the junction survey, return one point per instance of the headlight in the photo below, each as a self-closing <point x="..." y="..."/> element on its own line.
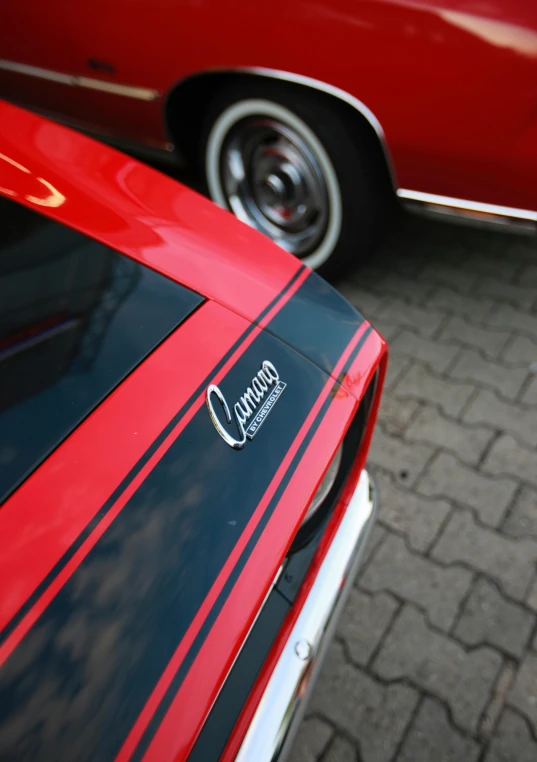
<point x="326" y="485"/>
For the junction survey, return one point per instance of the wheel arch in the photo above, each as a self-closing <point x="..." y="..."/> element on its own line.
<point x="191" y="94"/>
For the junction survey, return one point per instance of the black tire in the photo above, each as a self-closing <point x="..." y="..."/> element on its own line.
<point x="360" y="174"/>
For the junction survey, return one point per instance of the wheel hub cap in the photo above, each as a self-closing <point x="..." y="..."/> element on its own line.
<point x="272" y="181"/>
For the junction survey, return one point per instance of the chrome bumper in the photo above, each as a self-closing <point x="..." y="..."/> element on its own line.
<point x="280" y="710"/>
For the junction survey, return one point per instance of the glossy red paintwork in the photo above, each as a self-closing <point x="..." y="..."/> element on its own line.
<point x="160" y="223"/>
<point x="138" y="211"/>
<point x="453" y="83"/>
<point x="38" y="523"/>
<point x="373" y="352"/>
<point x="181" y="724"/>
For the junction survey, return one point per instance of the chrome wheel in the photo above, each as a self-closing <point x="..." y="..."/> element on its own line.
<point x="273" y="181"/>
<point x="268" y="167"/>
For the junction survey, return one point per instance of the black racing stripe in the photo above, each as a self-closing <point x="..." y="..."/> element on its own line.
<point x="108" y="634"/>
<point x="102" y="644"/>
<point x="187" y="662"/>
<point x="314" y="319"/>
<point x="64" y="560"/>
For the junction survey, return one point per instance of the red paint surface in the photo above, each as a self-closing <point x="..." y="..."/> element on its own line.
<point x="160" y="223"/>
<point x="183" y="721"/>
<point x="139" y="212"/>
<point x="452" y="82"/>
<point x="47" y="513"/>
<point x="373" y="352"/>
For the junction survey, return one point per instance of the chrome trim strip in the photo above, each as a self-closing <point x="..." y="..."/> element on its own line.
<point x="277" y="717"/>
<point x="35" y="71"/>
<point x="467" y="209"/>
<point x="129" y="91"/>
<point x="315" y="84"/>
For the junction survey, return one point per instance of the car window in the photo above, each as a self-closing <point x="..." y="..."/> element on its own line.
<point x="75" y="318"/>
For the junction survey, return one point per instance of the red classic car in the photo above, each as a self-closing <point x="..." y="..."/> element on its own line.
<point x="185" y="411"/>
<point x="304" y="117"/>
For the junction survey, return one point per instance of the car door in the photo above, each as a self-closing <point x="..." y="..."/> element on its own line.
<point x="116" y="52"/>
<point x="36" y="57"/>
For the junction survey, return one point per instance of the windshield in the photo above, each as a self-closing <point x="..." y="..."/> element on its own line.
<point x="75" y="318"/>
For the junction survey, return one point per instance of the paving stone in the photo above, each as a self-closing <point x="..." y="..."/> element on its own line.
<point x="506" y="316"/>
<point x="438" y="664"/>
<point x="439" y="590"/>
<point x="341" y="750"/>
<point x="376" y="537"/>
<point x="429" y="351"/>
<point x="398" y="366"/>
<point x="457" y="278"/>
<point x="371" y="305"/>
<point x="431" y="427"/>
<point x="395" y="415"/>
<point x="496" y="704"/>
<point x="502" y="267"/>
<point x="418" y="383"/>
<point x="531" y="597"/>
<point x="528" y="277"/>
<point x="461" y="304"/>
<point x="418" y="518"/>
<point x="521" y="296"/>
<point x="433" y="739"/>
<point x="510" y="562"/>
<point x="468" y="334"/>
<point x="398" y="286"/>
<point x="371" y="275"/>
<point x="523" y="695"/>
<point x="522" y="519"/>
<point x="489" y="618"/>
<point x="311" y="741"/>
<point x="489" y="496"/>
<point x="522" y="248"/>
<point x="388" y="331"/>
<point x="506" y="456"/>
<point x="403" y="459"/>
<point x="489" y="409"/>
<point x="512" y="741"/>
<point x="521" y="350"/>
<point x="529" y="396"/>
<point x="375" y="715"/>
<point x="470" y="366"/>
<point x="398" y="255"/>
<point x="417" y="243"/>
<point x="364" y="622"/>
<point x="402" y="314"/>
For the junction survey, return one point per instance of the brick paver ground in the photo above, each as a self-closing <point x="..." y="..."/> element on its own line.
<point x="435" y="659"/>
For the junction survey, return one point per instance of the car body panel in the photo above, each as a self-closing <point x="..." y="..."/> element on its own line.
<point x="452" y="84"/>
<point x="17" y="21"/>
<point x="146" y="590"/>
<point x="50" y="492"/>
<point x="135" y="558"/>
<point x="197" y="693"/>
<point x="81" y="594"/>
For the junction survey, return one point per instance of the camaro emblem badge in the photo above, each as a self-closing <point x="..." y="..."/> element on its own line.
<point x="252" y="408"/>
